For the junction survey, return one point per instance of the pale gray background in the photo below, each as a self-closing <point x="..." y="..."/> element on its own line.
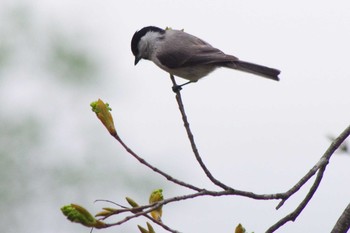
<point x="254" y="134"/>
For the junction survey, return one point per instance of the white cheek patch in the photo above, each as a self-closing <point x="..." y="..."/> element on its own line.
<point x="146" y="44"/>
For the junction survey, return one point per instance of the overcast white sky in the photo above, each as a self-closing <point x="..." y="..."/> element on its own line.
<point x="254" y="134"/>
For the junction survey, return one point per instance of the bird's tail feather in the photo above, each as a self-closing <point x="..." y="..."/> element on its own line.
<point x="263" y="71"/>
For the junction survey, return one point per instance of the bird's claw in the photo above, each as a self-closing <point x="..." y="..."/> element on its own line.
<point x="177" y="88"/>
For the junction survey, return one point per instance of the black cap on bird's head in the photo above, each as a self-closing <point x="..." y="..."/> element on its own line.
<point x="137" y="37"/>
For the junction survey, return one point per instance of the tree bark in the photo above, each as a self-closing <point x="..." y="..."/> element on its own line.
<point x="343" y="223"/>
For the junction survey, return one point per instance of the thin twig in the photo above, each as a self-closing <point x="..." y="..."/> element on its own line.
<point x="143" y="213"/>
<point x="301" y="182"/>
<point x="320" y="167"/>
<point x="191" y="137"/>
<point x="145" y="209"/>
<point x="109" y="201"/>
<point x="166" y="227"/>
<point x="144" y="162"/>
<point x="343" y="223"/>
<point x="293" y="215"/>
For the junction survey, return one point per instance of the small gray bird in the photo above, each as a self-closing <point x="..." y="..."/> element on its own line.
<point x="186" y="56"/>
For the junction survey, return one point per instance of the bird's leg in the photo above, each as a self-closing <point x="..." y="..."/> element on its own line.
<point x="177" y="88"/>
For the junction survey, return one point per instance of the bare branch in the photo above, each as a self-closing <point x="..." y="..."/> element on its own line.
<point x="144" y="162"/>
<point x="191" y="138"/>
<point x="320" y="167"/>
<point x="145" y="209"/>
<point x="166" y="227"/>
<point x="343" y="223"/>
<point x="136" y="214"/>
<point x="302" y="181"/>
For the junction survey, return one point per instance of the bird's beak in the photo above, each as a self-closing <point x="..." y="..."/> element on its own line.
<point x="137" y="59"/>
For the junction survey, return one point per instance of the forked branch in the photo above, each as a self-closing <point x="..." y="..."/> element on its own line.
<point x="319" y="169"/>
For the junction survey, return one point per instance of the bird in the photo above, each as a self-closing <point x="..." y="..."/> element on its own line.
<point x="187" y="56"/>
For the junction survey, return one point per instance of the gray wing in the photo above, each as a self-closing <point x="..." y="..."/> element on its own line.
<point x="183" y="49"/>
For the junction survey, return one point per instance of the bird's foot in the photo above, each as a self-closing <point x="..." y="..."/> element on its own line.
<point x="177" y="88"/>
